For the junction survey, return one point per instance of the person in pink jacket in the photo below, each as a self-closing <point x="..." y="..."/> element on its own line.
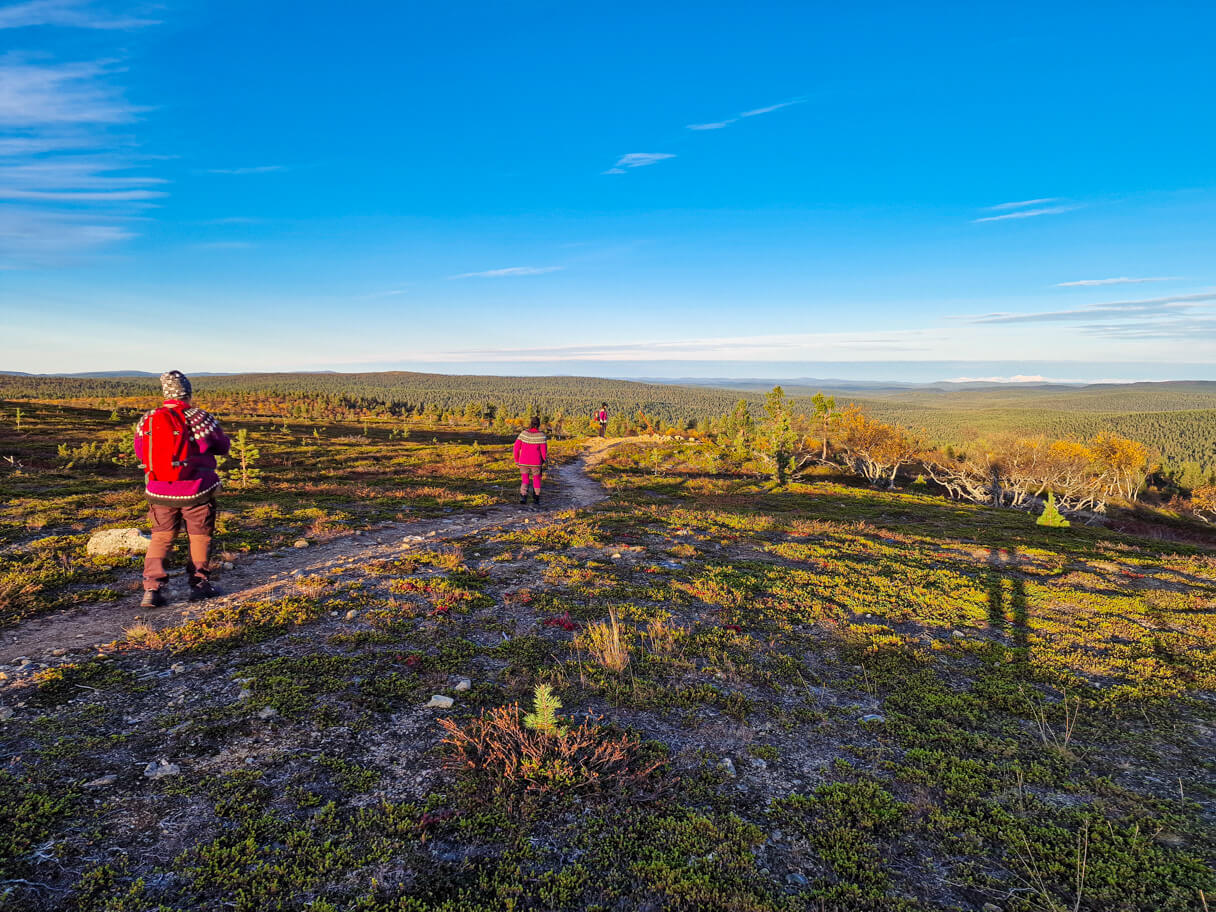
<point x="531" y="454"/>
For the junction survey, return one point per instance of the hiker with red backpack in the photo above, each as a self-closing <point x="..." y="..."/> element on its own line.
<point x="177" y="445"/>
<point x="531" y="454"/>
<point x="601" y="418"/>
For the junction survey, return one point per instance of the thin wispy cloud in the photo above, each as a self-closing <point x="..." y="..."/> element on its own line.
<point x="391" y="293"/>
<point x="638" y="160"/>
<point x="1123" y="280"/>
<point x="1112" y="312"/>
<point x="68" y="14"/>
<point x="254" y="169"/>
<point x="1021" y="204"/>
<point x="755" y="112"/>
<point x="508" y="272"/>
<point x="74" y="182"/>
<point x="38" y="95"/>
<point x="1026" y="213"/>
<point x="792" y="346"/>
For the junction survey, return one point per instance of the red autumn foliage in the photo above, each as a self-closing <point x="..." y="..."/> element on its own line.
<point x="588" y="758"/>
<point x="564" y="622"/>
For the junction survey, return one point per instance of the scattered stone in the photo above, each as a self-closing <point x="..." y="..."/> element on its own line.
<point x="439" y="701"/>
<point x="759" y="764"/>
<point x="990" y="907"/>
<point x="333" y="614"/>
<point x="267" y="712"/>
<point x="102" y="782"/>
<point x="301" y="543"/>
<point x="22" y="661"/>
<point x="727" y="766"/>
<point x="796" y="880"/>
<point x="297" y="571"/>
<point x="616" y="555"/>
<point x="59" y="651"/>
<point x="245" y="694"/>
<point x="352" y="614"/>
<point x="228" y="565"/>
<point x="872" y="717"/>
<point x="6" y="713"/>
<point x="958" y="634"/>
<point x="161" y="769"/>
<point x="177" y="668"/>
<point x="463" y="684"/>
<point x="117" y="541"/>
<point x="1170" y="840"/>
<point x="3" y="675"/>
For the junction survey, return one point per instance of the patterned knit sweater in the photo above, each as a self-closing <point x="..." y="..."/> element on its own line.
<point x="531" y="448"/>
<point x="199" y="479"/>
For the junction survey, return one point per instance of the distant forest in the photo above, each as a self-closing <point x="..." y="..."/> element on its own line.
<point x="1178" y="420"/>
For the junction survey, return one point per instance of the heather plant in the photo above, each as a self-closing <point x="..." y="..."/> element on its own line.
<point x="517" y="757"/>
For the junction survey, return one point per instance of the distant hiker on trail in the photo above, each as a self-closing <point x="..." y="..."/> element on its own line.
<point x="177" y="445"/>
<point x="601" y="418"/>
<point x="531" y="453"/>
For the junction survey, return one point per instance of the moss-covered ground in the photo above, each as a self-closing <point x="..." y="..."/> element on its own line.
<point x="856" y="700"/>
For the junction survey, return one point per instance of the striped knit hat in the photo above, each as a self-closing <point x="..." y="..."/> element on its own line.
<point x="175" y="385"/>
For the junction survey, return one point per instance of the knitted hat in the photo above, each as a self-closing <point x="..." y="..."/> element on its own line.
<point x="175" y="385"/>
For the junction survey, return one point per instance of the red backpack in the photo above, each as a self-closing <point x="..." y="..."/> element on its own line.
<point x="168" y="445"/>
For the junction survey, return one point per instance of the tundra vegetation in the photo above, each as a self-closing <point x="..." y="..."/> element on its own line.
<point x="797" y="660"/>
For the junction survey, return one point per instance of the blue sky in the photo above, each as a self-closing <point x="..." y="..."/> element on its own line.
<point x="630" y="189"/>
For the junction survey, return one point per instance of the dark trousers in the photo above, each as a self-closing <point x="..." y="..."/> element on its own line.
<point x="167" y="521"/>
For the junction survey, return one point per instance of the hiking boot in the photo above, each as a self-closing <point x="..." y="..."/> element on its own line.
<point x="152" y="599"/>
<point x="203" y="590"/>
<point x="536" y="498"/>
<point x="523" y="499"/>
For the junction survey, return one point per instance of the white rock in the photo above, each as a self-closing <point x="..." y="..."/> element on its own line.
<point x="463" y="684"/>
<point x="301" y="543"/>
<point x="161" y="769"/>
<point x="228" y="565"/>
<point x="5" y="713"/>
<point x="352" y="614"/>
<point x="245" y="694"/>
<point x="267" y="712"/>
<point x="117" y="541"/>
<point x="177" y="668"/>
<point x="103" y="781"/>
<point x="727" y="766"/>
<point x="872" y="717"/>
<point x="439" y="701"/>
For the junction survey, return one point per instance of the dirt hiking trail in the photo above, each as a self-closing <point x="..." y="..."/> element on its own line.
<point x="273" y="574"/>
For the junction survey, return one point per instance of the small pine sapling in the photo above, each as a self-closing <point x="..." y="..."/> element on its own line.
<point x="1051" y="515"/>
<point x="245" y="455"/>
<point x="544" y="717"/>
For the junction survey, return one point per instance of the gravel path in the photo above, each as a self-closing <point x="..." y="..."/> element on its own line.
<point x="84" y="628"/>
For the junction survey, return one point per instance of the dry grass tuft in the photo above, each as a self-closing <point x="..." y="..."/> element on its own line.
<point x="606" y="643"/>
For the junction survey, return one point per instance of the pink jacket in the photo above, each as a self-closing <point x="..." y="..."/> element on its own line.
<point x="199" y="480"/>
<point x="531" y="448"/>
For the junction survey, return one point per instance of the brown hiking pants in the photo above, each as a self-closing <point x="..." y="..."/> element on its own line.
<point x="167" y="521"/>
